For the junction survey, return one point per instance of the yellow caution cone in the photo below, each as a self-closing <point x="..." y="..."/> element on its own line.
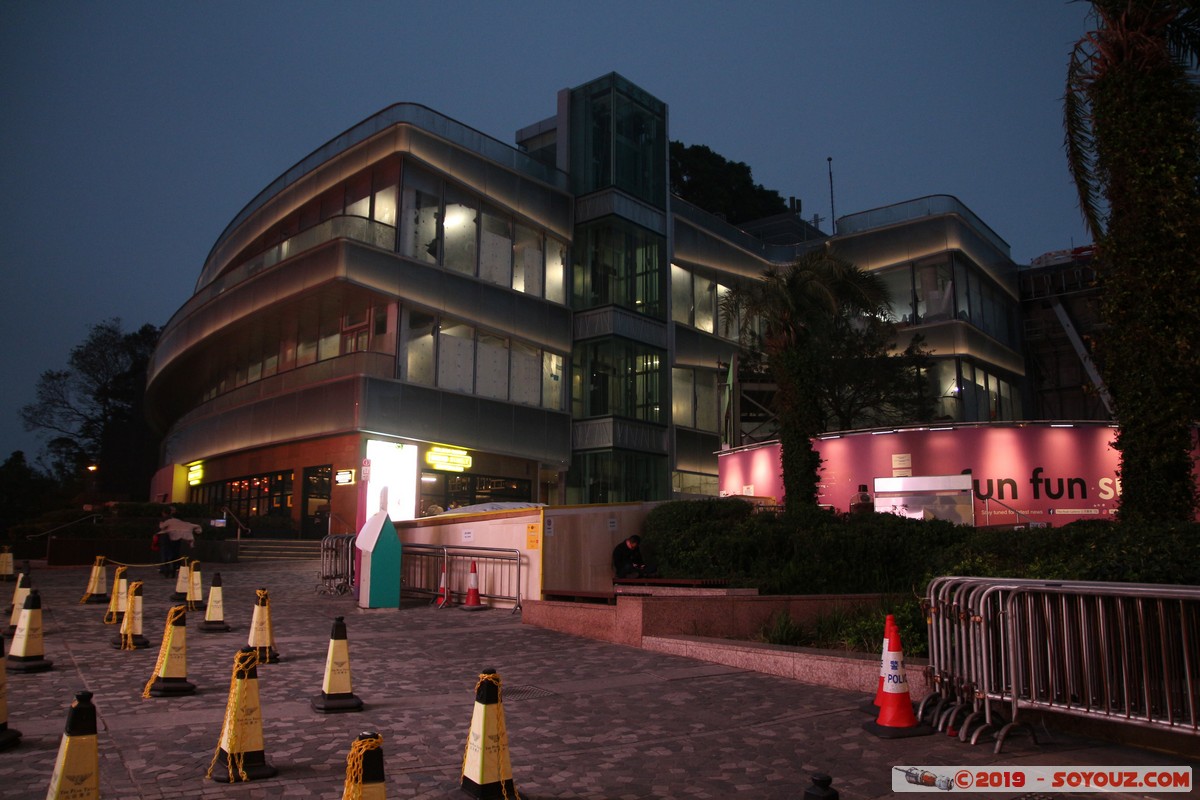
<point x="240" y="755"/>
<point x="214" y="612"/>
<point x="9" y="737"/>
<point x="486" y="771"/>
<point x="262" y="635"/>
<point x="6" y="564"/>
<point x="170" y="673"/>
<point x="20" y="592"/>
<point x="97" y="586"/>
<point x="364" y="769"/>
<point x="195" y="594"/>
<point x="472" y="602"/>
<point x="896" y="719"/>
<point x="130" y="637"/>
<point x="120" y="597"/>
<point x="183" y="582"/>
<point x="77" y="768"/>
<point x="26" y="653"/>
<point x="336" y="695"/>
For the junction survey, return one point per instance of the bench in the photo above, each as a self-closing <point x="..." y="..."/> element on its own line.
<point x="580" y="595"/>
<point x="679" y="583"/>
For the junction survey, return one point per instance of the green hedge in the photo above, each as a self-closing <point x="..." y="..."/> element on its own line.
<point x="823" y="553"/>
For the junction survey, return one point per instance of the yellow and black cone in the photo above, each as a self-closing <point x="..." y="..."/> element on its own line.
<point x="77" y="768"/>
<point x="97" y="586"/>
<point x="195" y="593"/>
<point x="130" y="637"/>
<point x="336" y="695"/>
<point x="20" y="592"/>
<point x="487" y="771"/>
<point x="26" y="653"/>
<point x="262" y="635"/>
<point x="364" y="769"/>
<point x="170" y="673"/>
<point x="214" y="612"/>
<point x="120" y="598"/>
<point x="183" y="582"/>
<point x="9" y="737"/>
<point x="6" y="564"/>
<point x="240" y="754"/>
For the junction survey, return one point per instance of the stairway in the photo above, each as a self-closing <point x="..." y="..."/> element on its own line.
<point x="279" y="549"/>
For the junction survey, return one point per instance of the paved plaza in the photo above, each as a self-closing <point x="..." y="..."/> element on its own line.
<point x="585" y="719"/>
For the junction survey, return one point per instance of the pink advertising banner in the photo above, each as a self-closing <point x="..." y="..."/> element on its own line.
<point x="1052" y="474"/>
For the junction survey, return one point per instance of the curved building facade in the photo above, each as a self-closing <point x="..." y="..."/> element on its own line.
<point x="418" y="316"/>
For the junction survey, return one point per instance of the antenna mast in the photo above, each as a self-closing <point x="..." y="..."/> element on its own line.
<point x="832" y="214"/>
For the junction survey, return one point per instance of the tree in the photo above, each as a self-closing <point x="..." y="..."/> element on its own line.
<point x="24" y="491"/>
<point x="1133" y="147"/>
<point x="94" y="409"/>
<point x="719" y="186"/>
<point x="821" y="324"/>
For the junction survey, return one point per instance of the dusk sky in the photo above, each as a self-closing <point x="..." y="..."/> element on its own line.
<point x="133" y="132"/>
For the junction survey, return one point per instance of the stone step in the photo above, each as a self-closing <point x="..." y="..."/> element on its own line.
<point x="279" y="549"/>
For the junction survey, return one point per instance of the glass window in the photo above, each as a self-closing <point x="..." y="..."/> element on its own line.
<point x="681" y="295"/>
<point x="386" y="178"/>
<point x="706" y="400"/>
<point x="491" y="367"/>
<point x="456" y="356"/>
<point x="333" y="202"/>
<point x="705" y="301"/>
<point x="419" y="223"/>
<point x="460" y="230"/>
<point x="898" y="283"/>
<point x="420" y="352"/>
<point x="556" y="270"/>
<point x="358" y="195"/>
<point x="306" y="343"/>
<point x="496" y="247"/>
<point x="935" y="292"/>
<point x="619" y="263"/>
<point x="682" y="409"/>
<point x="329" y="345"/>
<point x="525" y="384"/>
<point x="727" y="325"/>
<point x="552" y="381"/>
<point x="527" y="261"/>
<point x="962" y="301"/>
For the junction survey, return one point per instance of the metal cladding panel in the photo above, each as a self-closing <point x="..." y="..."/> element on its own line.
<point x="614" y="321"/>
<point x="308" y="412"/>
<point x="696" y="349"/>
<point x="476" y="423"/>
<point x="696" y="451"/>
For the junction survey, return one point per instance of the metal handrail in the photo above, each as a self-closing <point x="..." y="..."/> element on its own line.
<point x="92" y="517"/>
<point x="241" y="526"/>
<point x="987" y="512"/>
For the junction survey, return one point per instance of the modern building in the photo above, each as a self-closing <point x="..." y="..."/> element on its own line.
<point x="417" y="315"/>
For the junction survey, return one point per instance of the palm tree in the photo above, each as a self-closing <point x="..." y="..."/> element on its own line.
<point x="797" y="309"/>
<point x="1133" y="148"/>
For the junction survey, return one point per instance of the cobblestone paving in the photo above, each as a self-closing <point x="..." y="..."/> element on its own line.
<point x="585" y="719"/>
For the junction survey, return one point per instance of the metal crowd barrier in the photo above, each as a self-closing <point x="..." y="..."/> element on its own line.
<point x="337" y="564"/>
<point x="1118" y="651"/>
<point x="498" y="571"/>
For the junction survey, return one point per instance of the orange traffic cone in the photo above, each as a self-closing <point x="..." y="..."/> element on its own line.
<point x="443" y="595"/>
<point x="896" y="718"/>
<point x="472" y="603"/>
<point x="872" y="705"/>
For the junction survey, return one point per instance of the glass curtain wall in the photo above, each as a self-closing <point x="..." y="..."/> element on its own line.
<point x="617" y="476"/>
<point x="619" y="263"/>
<point x="618" y="377"/>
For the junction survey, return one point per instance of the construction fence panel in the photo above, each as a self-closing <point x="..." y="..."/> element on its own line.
<point x="1124" y="652"/>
